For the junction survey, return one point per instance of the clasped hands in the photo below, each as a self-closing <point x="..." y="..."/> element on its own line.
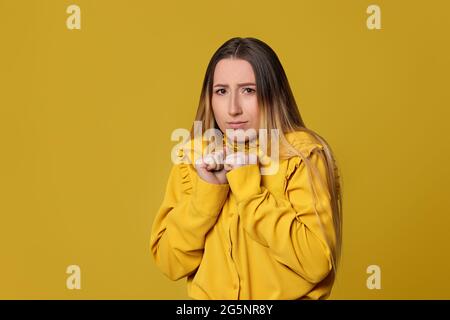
<point x="214" y="166"/>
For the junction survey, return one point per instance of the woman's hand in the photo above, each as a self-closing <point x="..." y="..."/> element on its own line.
<point x="243" y="156"/>
<point x="211" y="168"/>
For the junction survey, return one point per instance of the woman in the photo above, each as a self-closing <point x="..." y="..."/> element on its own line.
<point x="234" y="232"/>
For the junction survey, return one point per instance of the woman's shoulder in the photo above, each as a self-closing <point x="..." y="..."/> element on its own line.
<point x="303" y="141"/>
<point x="305" y="144"/>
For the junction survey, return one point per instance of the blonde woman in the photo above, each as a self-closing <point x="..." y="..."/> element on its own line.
<point x="232" y="231"/>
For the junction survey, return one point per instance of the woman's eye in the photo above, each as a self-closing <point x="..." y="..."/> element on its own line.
<point x="250" y="90"/>
<point x="219" y="91"/>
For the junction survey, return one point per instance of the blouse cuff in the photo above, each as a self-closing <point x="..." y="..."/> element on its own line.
<point x="245" y="181"/>
<point x="209" y="198"/>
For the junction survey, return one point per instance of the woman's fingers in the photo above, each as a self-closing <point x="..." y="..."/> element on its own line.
<point x="210" y="163"/>
<point x="214" y="161"/>
<point x="199" y="163"/>
<point x="219" y="159"/>
<point x="227" y="159"/>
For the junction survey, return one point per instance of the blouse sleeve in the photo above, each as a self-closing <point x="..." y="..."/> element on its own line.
<point x="189" y="210"/>
<point x="288" y="226"/>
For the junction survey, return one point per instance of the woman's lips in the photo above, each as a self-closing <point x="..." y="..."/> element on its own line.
<point x="237" y="124"/>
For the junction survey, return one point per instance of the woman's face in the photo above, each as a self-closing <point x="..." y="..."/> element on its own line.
<point x="234" y="99"/>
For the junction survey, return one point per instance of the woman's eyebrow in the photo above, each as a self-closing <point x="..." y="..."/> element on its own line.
<point x="239" y="84"/>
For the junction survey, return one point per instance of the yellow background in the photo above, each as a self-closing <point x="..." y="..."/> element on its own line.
<point x="86" y="117"/>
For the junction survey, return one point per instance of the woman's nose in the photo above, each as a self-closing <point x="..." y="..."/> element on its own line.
<point x="234" y="107"/>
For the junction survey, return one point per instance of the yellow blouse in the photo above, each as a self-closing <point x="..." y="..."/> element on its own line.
<point x="255" y="238"/>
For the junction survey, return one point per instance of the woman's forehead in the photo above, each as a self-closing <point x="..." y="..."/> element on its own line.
<point x="232" y="72"/>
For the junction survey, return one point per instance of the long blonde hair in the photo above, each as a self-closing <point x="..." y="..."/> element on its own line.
<point x="278" y="110"/>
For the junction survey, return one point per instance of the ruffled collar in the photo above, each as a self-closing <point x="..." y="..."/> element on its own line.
<point x="248" y="146"/>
